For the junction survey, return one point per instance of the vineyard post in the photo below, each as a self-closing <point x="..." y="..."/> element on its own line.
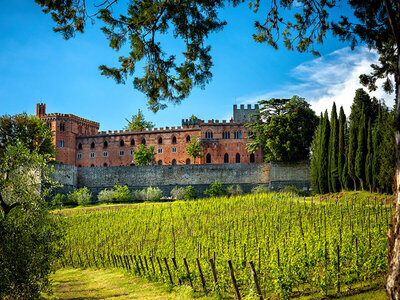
<point x="169" y="273"/>
<point x="127" y="263"/>
<point x="137" y="265"/>
<point x="141" y="264"/>
<point x="152" y="264"/>
<point x="188" y="272"/>
<point x="338" y="268"/>
<point x="255" y="279"/>
<point x="176" y="270"/>
<point x="214" y="273"/>
<point x="201" y="275"/>
<point x="145" y="262"/>
<point x="233" y="280"/>
<point x="159" y="265"/>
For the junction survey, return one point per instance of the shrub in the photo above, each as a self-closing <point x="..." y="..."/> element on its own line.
<point x="178" y="193"/>
<point x="81" y="196"/>
<point x="106" y="196"/>
<point x="149" y="194"/>
<point x="234" y="190"/>
<point x="58" y="201"/>
<point x="216" y="189"/>
<point x="294" y="190"/>
<point x="121" y="194"/>
<point x="260" y="189"/>
<point x="190" y="193"/>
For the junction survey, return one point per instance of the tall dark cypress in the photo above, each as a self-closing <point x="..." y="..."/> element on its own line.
<point x="341" y="147"/>
<point x="368" y="159"/>
<point x="333" y="152"/>
<point x="376" y="144"/>
<point x="359" y="167"/>
<point x="324" y="154"/>
<point x="351" y="154"/>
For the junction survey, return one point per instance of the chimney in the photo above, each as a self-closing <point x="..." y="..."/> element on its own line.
<point x="40" y="110"/>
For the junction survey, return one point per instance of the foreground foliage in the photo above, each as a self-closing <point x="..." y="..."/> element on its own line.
<point x="298" y="247"/>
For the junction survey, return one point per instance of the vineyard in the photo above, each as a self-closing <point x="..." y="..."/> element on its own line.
<point x="276" y="245"/>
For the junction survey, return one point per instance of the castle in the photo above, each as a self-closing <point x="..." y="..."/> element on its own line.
<point x="80" y="143"/>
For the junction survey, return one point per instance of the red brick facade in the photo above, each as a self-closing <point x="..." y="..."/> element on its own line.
<point x="79" y="142"/>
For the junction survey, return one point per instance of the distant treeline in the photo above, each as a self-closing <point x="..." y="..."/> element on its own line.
<point x="356" y="153"/>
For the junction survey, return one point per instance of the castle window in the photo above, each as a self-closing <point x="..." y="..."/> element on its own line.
<point x="188" y="161"/>
<point x="143" y="141"/>
<point x="208" y="158"/>
<point x="226" y="158"/>
<point x="238" y="135"/>
<point x="237" y="158"/>
<point x="79" y="156"/>
<point x="105" y="145"/>
<point x="209" y="135"/>
<point x="160" y="140"/>
<point x="188" y="139"/>
<point x="91" y="154"/>
<point x="121" y="153"/>
<point x="92" y="145"/>
<point x="61" y="144"/>
<point x="159" y="150"/>
<point x="105" y="165"/>
<point x="226" y="135"/>
<point x="105" y="154"/>
<point x="62" y="127"/>
<point x="79" y="146"/>
<point x="251" y="135"/>
<point x="173" y="150"/>
<point x="121" y="143"/>
<point x="132" y="152"/>
<point x="174" y="162"/>
<point x="159" y="162"/>
<point x="79" y="166"/>
<point x="132" y="142"/>
<point x="92" y="165"/>
<point x="174" y="140"/>
<point x="252" y="158"/>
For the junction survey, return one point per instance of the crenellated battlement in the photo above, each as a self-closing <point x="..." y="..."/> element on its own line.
<point x="243" y="114"/>
<point x="59" y="116"/>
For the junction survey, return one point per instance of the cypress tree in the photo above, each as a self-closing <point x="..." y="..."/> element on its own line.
<point x="314" y="160"/>
<point x="376" y="144"/>
<point x="368" y="159"/>
<point x="333" y="152"/>
<point x="341" y="147"/>
<point x="359" y="166"/>
<point x="351" y="154"/>
<point x="323" y="154"/>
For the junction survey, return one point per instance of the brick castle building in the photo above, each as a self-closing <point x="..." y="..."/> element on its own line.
<point x="79" y="142"/>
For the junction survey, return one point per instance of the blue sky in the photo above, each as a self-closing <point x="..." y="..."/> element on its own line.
<point x="38" y="65"/>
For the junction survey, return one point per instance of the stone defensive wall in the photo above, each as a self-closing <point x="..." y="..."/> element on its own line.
<point x="275" y="176"/>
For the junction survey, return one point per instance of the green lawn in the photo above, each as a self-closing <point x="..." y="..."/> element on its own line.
<point x="71" y="283"/>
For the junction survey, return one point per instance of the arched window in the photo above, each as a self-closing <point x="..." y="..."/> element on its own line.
<point x="237" y="158"/>
<point x="252" y="158"/>
<point x="105" y="164"/>
<point x="132" y="142"/>
<point x="79" y="166"/>
<point x="209" y="135"/>
<point x="121" y="143"/>
<point x="160" y="140"/>
<point x="159" y="162"/>
<point x="92" y="145"/>
<point x="226" y="135"/>
<point x="174" y="162"/>
<point x="237" y="134"/>
<point x="174" y="140"/>
<point x="188" y="161"/>
<point x="226" y="158"/>
<point x="79" y="146"/>
<point x="143" y="141"/>
<point x="92" y="165"/>
<point x="208" y="158"/>
<point x="188" y="139"/>
<point x="105" y="144"/>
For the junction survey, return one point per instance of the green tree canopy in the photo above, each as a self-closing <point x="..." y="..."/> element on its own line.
<point x="144" y="156"/>
<point x="284" y="129"/>
<point x="138" y="122"/>
<point x="194" y="149"/>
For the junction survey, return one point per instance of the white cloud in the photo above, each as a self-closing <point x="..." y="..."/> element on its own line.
<point x="327" y="79"/>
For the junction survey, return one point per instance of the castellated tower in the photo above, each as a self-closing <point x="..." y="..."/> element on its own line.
<point x="243" y="114"/>
<point x="65" y="128"/>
